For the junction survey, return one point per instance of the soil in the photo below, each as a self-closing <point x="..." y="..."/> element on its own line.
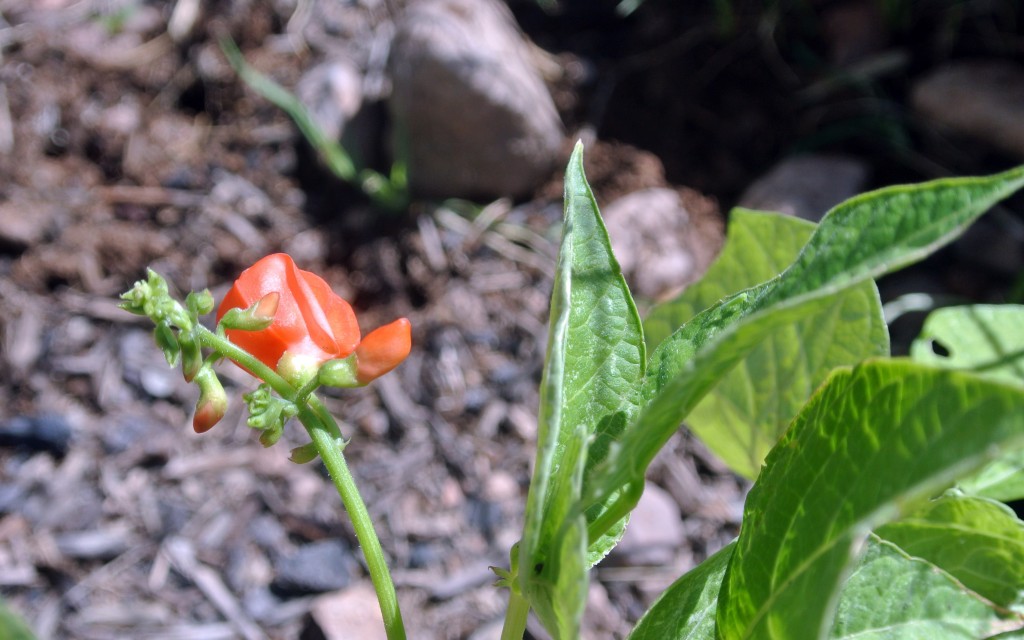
<point x="123" y="148"/>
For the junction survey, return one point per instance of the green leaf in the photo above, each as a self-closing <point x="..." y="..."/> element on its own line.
<point x="862" y="238"/>
<point x="12" y="627"/>
<point x="686" y="610"/>
<point x="589" y="392"/>
<point x="979" y="541"/>
<point x="892" y="596"/>
<point x="747" y="412"/>
<point x="874" y="443"/>
<point x="987" y="339"/>
<point x="759" y="246"/>
<point x="1001" y="479"/>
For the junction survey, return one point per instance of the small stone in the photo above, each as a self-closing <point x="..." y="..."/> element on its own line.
<point x="663" y="239"/>
<point x="320" y="566"/>
<point x="47" y="432"/>
<point x="23" y="224"/>
<point x="352" y="613"/>
<point x="654" y="533"/>
<point x="806" y="186"/>
<point x="472" y="115"/>
<point x="982" y="100"/>
<point x="334" y="94"/>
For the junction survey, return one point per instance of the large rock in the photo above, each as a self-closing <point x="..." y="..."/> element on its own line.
<point x="472" y="116"/>
<point x="663" y="238"/>
<point x="806" y="186"/>
<point x="982" y="100"/>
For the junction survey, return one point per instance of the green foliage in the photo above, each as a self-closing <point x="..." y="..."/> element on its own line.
<point x="988" y="339"/>
<point x="978" y="541"/>
<point x="590" y="391"/>
<point x="776" y="360"/>
<point x="892" y="595"/>
<point x="750" y="408"/>
<point x="866" y="449"/>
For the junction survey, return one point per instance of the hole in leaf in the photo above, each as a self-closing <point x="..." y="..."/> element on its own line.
<point x="940" y="349"/>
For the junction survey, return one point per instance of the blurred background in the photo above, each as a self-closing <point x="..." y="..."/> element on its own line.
<point x="129" y="140"/>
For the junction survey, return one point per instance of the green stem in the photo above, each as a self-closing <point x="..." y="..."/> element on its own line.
<point x="330" y="452"/>
<point x="515" y="617"/>
<point x="326" y="437"/>
<point x="229" y="350"/>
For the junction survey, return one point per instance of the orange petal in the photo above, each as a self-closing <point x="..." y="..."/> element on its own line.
<point x="383" y="349"/>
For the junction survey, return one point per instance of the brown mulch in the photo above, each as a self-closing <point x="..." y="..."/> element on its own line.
<point x="130" y="150"/>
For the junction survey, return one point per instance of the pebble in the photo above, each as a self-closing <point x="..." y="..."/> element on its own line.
<point x="654" y="533"/>
<point x="352" y="613"/>
<point x="46" y="432"/>
<point x="325" y="565"/>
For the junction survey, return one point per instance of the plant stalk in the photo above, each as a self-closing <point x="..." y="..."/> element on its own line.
<point x="326" y="436"/>
<point x="515" y="616"/>
<point x="330" y="452"/>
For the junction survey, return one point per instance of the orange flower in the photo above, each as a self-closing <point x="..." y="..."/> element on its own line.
<point x="311" y="324"/>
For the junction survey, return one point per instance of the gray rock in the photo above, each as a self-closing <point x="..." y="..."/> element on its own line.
<point x="983" y="100"/>
<point x="333" y="93"/>
<point x="663" y="239"/>
<point x="806" y="186"/>
<point x="320" y="566"/>
<point x="352" y="613"/>
<point x="655" y="531"/>
<point x="472" y="115"/>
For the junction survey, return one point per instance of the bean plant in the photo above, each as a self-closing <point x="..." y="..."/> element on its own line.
<point x="879" y="483"/>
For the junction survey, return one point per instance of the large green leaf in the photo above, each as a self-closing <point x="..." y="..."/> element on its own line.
<point x="747" y="412"/>
<point x="978" y="541"/>
<point x="892" y="596"/>
<point x="686" y="610"/>
<point x="873" y="444"/>
<point x="988" y="339"/>
<point x="590" y="391"/>
<point x="862" y="238"/>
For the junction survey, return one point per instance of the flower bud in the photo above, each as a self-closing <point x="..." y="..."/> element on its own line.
<point x="199" y="303"/>
<point x="212" y="403"/>
<point x="191" y="355"/>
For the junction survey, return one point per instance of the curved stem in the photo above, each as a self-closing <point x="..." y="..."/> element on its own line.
<point x="329" y="448"/>
<point x="230" y="350"/>
<point x="515" y="617"/>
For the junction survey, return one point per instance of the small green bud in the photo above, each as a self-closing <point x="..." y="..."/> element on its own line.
<point x="268" y="413"/>
<point x="212" y="403"/>
<point x="340" y="373"/>
<point x="256" y="317"/>
<point x="191" y="355"/>
<point x="199" y="303"/>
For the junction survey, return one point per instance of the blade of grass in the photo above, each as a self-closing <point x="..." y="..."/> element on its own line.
<point x="389" y="193"/>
